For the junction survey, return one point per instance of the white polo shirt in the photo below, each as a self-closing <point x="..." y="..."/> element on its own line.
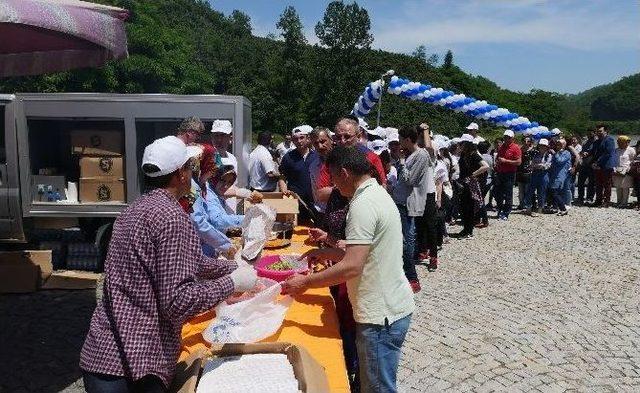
<point x="382" y="290"/>
<point x="261" y="163"/>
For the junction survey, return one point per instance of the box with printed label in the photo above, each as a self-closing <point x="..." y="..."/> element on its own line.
<point x="97" y="142"/>
<point x="101" y="190"/>
<point x="101" y="166"/>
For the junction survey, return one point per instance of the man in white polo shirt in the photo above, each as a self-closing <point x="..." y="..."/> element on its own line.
<point x="263" y="173"/>
<point x="371" y="265"/>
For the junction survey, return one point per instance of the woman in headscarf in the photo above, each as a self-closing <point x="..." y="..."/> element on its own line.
<point x="214" y="241"/>
<point x="220" y="215"/>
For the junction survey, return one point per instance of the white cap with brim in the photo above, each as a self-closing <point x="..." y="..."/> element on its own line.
<point x="168" y="154"/>
<point x="302" y="130"/>
<point x="543" y="142"/>
<point x="509" y="133"/>
<point x="222" y="127"/>
<point x="392" y="136"/>
<point x="378" y="146"/>
<point x="466" y="138"/>
<point x="473" y="126"/>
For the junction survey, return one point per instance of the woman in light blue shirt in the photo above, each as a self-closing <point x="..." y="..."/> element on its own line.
<point x="560" y="166"/>
<point x="219" y="214"/>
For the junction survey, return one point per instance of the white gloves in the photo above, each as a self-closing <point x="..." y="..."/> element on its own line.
<point x="244" y="278"/>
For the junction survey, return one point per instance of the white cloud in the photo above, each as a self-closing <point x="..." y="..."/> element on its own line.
<point x="589" y="26"/>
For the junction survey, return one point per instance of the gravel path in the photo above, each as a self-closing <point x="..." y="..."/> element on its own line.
<point x="547" y="303"/>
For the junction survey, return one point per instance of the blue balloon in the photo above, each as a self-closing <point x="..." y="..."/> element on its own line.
<point x="422" y="88"/>
<point x="534" y="124"/>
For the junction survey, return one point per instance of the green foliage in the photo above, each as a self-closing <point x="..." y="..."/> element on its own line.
<point x="448" y="60"/>
<point x="185" y="47"/>
<point x="345" y="27"/>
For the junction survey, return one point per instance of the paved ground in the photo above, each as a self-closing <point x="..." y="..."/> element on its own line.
<point x="548" y="303"/>
<point x="543" y="304"/>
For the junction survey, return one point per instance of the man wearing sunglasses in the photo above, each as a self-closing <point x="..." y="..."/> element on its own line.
<point x="348" y="133"/>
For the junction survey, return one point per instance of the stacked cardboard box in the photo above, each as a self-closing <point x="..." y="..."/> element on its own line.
<point x="101" y="165"/>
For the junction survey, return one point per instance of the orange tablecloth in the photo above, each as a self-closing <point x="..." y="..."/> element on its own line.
<point x="311" y="322"/>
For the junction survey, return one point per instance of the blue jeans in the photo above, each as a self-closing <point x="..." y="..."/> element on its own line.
<point x="379" y="349"/>
<point x="103" y="383"/>
<point x="408" y="243"/>
<point x="568" y="187"/>
<point x="558" y="198"/>
<point x="504" y="192"/>
<point x="538" y="184"/>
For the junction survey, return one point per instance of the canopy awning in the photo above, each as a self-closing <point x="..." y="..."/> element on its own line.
<point x="44" y="36"/>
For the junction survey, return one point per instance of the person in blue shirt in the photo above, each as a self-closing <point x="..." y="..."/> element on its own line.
<point x="220" y="215"/>
<point x="604" y="161"/>
<point x="560" y="166"/>
<point x="294" y="169"/>
<point x="214" y="241"/>
<point x="540" y="163"/>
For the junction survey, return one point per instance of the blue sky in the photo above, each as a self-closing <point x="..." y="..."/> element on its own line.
<point x="565" y="46"/>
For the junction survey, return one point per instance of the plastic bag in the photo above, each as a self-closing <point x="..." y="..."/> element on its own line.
<point x="249" y="321"/>
<point x="256" y="229"/>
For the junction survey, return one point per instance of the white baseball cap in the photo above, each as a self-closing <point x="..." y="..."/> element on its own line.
<point x="363" y="124"/>
<point x="222" y="126"/>
<point x="509" y="133"/>
<point x="302" y="130"/>
<point x="466" y="138"/>
<point x="543" y="142"/>
<point x="168" y="154"/>
<point x="473" y="126"/>
<point x="378" y="146"/>
<point x="392" y="135"/>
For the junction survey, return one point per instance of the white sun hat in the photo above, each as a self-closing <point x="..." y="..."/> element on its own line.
<point x="222" y="126"/>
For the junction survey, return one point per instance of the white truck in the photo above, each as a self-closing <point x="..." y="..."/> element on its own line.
<point x="53" y="148"/>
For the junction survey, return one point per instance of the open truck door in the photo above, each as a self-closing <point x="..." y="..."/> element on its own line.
<point x="10" y="207"/>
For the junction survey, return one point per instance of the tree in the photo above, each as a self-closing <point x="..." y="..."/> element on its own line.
<point x="241" y="22"/>
<point x="448" y="60"/>
<point x="420" y="53"/>
<point x="345" y="27"/>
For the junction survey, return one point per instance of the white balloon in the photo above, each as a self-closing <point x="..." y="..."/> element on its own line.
<point x="394" y="79"/>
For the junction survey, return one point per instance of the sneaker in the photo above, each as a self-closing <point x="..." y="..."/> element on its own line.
<point x="482" y="225"/>
<point x="562" y="213"/>
<point x="415" y="286"/>
<point x="433" y="264"/>
<point x="503" y="218"/>
<point x="531" y="213"/>
<point x="423" y="257"/>
<point x="465" y="236"/>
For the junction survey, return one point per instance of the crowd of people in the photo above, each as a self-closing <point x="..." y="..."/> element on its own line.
<point x="378" y="202"/>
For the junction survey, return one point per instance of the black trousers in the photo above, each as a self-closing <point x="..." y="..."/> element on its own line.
<point x="586" y="179"/>
<point x="427" y="228"/>
<point x="466" y="211"/>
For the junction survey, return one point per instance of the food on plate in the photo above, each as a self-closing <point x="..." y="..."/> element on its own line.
<point x="281" y="266"/>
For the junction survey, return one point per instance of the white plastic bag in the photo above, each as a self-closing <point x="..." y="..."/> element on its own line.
<point x="256" y="229"/>
<point x="249" y="321"/>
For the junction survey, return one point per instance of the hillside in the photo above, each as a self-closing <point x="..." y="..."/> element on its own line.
<point x="186" y="47"/>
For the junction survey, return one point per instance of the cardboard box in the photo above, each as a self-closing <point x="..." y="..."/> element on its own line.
<point x="71" y="279"/>
<point x="101" y="167"/>
<point x="99" y="143"/>
<point x="101" y="189"/>
<point x="311" y="376"/>
<point x="24" y="271"/>
<point x="287" y="209"/>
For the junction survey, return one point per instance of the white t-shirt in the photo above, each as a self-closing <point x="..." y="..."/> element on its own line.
<point x="282" y="149"/>
<point x="230" y="159"/>
<point x="261" y="163"/>
<point x="381" y="290"/>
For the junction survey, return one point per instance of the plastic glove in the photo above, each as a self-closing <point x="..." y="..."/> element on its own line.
<point x="244" y="278"/>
